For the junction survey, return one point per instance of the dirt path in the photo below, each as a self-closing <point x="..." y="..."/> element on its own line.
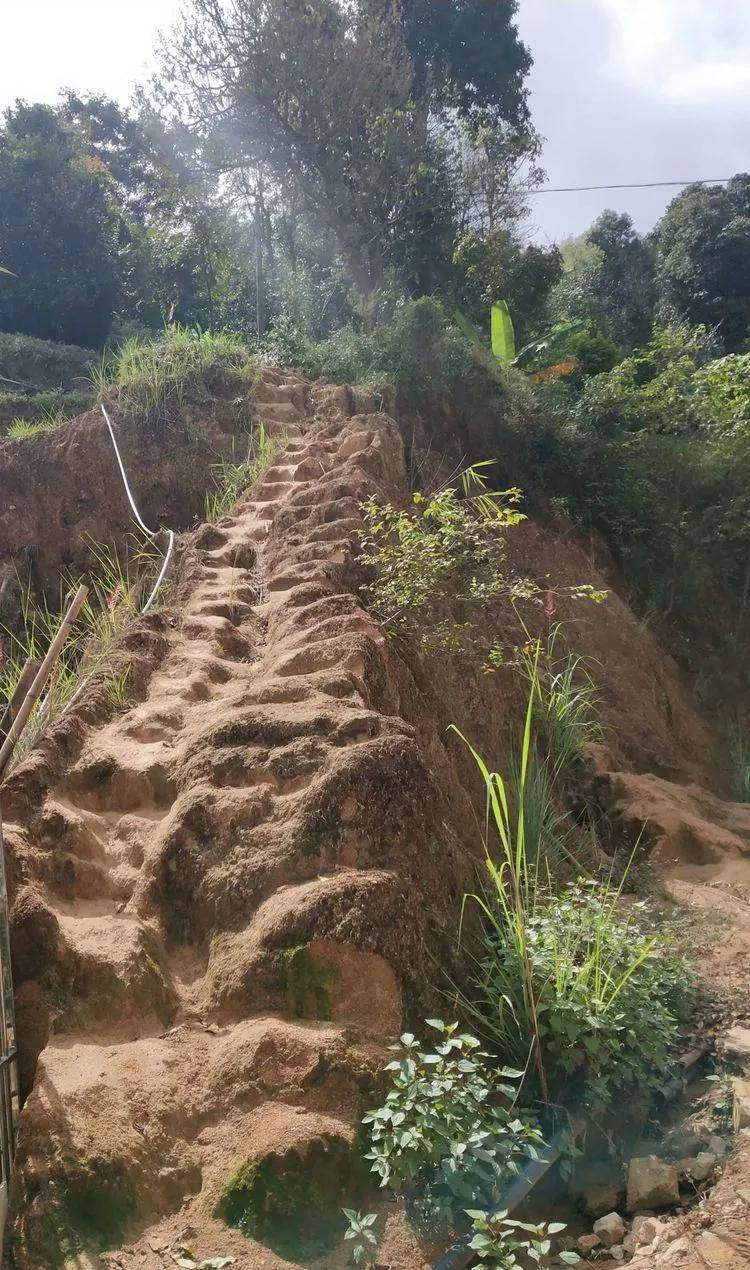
<point x="226" y="893"/>
<point x="233" y="931"/>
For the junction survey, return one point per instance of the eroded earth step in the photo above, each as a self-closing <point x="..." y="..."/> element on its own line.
<point x="232" y="923"/>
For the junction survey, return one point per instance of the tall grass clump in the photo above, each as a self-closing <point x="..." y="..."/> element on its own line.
<point x="569" y="986"/>
<point x="564" y="703"/>
<point x="158" y="378"/>
<point x="231" y="480"/>
<point x="116" y="591"/>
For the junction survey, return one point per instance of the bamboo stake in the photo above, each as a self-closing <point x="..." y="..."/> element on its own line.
<point x="41" y="677"/>
<point x="22" y="687"/>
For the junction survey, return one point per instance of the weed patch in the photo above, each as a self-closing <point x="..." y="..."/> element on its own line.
<point x="231" y="480"/>
<point x="156" y="379"/>
<point x="570" y="986"/>
<point x="116" y="590"/>
<point x="448" y="1127"/>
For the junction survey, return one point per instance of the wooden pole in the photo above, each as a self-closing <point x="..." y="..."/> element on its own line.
<point x="22" y="687"/>
<point x="41" y="677"/>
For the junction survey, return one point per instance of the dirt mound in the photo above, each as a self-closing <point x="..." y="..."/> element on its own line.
<point x="77" y="494"/>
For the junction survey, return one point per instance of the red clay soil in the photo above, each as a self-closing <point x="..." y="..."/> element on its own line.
<point x="701" y="854"/>
<point x="47" y="524"/>
<point x="228" y="898"/>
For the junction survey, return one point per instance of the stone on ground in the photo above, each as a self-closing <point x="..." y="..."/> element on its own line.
<point x="652" y="1183"/>
<point x="610" y="1229"/>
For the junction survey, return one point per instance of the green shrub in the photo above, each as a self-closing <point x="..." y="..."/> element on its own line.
<point x="441" y="546"/>
<point x="500" y="1241"/>
<point x="418" y="348"/>
<point x="572" y="981"/>
<point x="608" y="997"/>
<point x="655" y="455"/>
<point x="37" y="364"/>
<point x="448" y="1128"/>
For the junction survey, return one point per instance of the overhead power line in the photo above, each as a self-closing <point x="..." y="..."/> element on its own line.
<point x="628" y="185"/>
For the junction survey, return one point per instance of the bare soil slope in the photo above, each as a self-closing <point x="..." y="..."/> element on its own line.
<point x="228" y="898"/>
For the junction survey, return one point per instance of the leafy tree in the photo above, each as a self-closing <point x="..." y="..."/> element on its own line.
<point x="497" y="266"/>
<point x="59" y="231"/>
<point x="364" y="113"/>
<point x="184" y="254"/>
<point x="316" y="95"/>
<point x="703" y="253"/>
<point x="608" y="278"/>
<point x="468" y="56"/>
<point x="495" y="171"/>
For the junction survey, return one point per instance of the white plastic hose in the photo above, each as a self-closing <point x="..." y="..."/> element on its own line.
<point x="149" y="532"/>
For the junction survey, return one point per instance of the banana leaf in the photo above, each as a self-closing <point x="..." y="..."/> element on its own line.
<point x="503" y="335"/>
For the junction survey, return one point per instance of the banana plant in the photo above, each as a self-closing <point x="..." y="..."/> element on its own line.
<point x="502" y="335"/>
<point x="504" y="345"/>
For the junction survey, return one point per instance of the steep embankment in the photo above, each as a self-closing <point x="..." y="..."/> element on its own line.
<point x="61" y="490"/>
<point x="229" y="897"/>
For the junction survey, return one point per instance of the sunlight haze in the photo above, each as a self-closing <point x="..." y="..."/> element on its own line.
<point x="643" y="90"/>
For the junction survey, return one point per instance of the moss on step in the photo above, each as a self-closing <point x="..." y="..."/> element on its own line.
<point x="309" y="984"/>
<point x="90" y="1214"/>
<point x="292" y="1203"/>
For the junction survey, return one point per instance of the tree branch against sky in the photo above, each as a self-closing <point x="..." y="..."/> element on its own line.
<point x="621" y="91"/>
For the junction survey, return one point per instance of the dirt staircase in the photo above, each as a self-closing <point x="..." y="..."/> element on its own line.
<point x="223" y="886"/>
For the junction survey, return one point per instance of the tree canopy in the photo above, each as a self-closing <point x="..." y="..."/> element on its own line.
<point x="703" y="259"/>
<point x="58" y="231"/>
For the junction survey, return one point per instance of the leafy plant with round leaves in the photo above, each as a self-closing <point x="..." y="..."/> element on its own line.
<point x="360" y="1228"/>
<point x="499" y="1240"/>
<point x="448" y="1130"/>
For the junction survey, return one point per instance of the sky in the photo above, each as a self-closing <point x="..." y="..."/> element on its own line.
<point x="622" y="90"/>
<point x="635" y="90"/>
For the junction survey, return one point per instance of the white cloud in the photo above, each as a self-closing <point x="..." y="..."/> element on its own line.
<point x="101" y="46"/>
<point x="680" y="49"/>
<point x="635" y="90"/>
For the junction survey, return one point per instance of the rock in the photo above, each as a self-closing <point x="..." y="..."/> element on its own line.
<point x="685" y="1142"/>
<point x="718" y="1145"/>
<point x="610" y="1229"/>
<point x="701" y="1168"/>
<point x="602" y="1198"/>
<point x="744" y="1195"/>
<point x="631" y="1240"/>
<point x="741" y="1108"/>
<point x="676" y="1248"/>
<point x="735" y="1044"/>
<point x="652" y="1183"/>
<point x="645" y="1230"/>
<point x="715" y="1251"/>
<point x="617" y="1252"/>
<point x="587" y="1243"/>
